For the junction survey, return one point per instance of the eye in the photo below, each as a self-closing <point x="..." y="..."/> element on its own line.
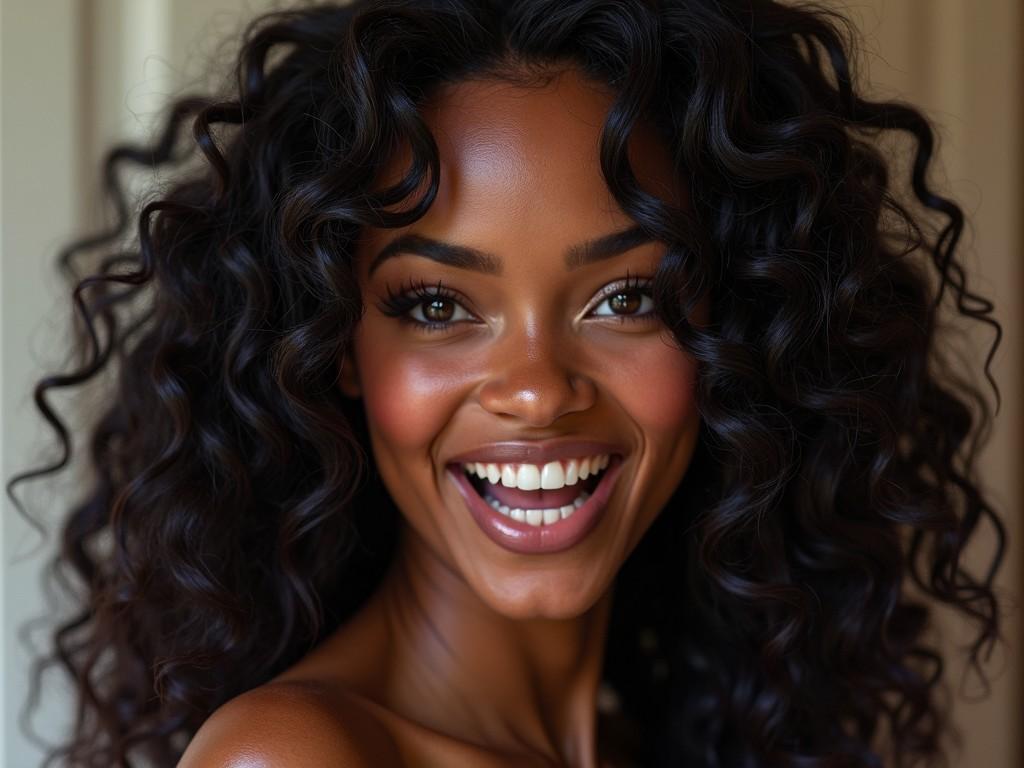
<point x="438" y="309"/>
<point x="626" y="300"/>
<point x="427" y="307"/>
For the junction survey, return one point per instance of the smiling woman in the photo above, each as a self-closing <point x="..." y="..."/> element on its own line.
<point x="548" y="382"/>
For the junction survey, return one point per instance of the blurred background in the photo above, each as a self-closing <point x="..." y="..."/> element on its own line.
<point x="76" y="75"/>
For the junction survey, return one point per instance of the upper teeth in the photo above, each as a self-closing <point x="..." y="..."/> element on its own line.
<point x="530" y="477"/>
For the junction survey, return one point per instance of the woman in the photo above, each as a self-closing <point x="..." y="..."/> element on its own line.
<point x="527" y="383"/>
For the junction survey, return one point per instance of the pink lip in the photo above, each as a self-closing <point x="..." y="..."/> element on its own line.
<point x="527" y="539"/>
<point x="536" y="452"/>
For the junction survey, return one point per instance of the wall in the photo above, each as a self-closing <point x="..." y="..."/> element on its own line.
<point x="39" y="192"/>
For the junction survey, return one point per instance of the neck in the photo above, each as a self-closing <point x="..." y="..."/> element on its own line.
<point x="528" y="685"/>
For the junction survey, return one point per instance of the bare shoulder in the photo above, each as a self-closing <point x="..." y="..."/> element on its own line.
<point x="291" y="725"/>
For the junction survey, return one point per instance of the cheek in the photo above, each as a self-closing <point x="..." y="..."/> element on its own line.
<point x="408" y="397"/>
<point x="655" y="384"/>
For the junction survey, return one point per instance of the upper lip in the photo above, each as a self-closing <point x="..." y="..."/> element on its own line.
<point x="534" y="452"/>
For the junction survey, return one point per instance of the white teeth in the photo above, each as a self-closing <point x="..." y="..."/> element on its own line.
<point x="552" y="476"/>
<point x="530" y="477"/>
<point x="508" y="475"/>
<point x="538" y="517"/>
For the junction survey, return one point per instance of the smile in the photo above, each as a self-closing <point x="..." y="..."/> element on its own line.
<point x="537" y="494"/>
<point x="537" y="508"/>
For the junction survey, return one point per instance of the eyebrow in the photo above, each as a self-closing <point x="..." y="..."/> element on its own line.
<point x="463" y="257"/>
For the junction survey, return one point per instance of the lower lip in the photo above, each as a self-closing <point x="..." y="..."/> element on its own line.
<point x="527" y="539"/>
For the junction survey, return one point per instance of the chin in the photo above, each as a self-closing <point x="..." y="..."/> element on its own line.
<point x="542" y="595"/>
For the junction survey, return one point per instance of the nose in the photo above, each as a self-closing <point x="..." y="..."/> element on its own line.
<point x="535" y="381"/>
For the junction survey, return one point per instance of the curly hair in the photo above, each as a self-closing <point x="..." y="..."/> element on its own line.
<point x="235" y="516"/>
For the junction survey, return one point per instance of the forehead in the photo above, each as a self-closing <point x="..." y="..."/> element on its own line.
<point x="522" y="161"/>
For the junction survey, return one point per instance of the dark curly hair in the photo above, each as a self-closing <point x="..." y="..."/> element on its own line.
<point x="235" y="516"/>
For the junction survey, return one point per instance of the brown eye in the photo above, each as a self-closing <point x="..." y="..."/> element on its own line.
<point x="438" y="310"/>
<point x="625" y="302"/>
<point x="425" y="307"/>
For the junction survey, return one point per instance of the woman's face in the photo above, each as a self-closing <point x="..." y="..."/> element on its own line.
<point x="540" y="351"/>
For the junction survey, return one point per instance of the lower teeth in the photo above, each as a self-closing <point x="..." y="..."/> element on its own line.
<point x="539" y="517"/>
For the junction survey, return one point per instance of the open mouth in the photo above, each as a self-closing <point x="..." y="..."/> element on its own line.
<point x="534" y="509"/>
<point x="511" y="489"/>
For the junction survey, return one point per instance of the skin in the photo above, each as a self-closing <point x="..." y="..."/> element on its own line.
<point x="469" y="654"/>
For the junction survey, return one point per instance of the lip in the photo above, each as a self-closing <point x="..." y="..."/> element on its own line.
<point x="536" y="452"/>
<point x="526" y="539"/>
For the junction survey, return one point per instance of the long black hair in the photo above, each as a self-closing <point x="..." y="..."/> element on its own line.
<point x="777" y="613"/>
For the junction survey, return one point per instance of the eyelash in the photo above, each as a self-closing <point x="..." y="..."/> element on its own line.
<point x="411" y="294"/>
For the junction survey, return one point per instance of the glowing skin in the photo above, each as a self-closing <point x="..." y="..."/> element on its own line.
<point x="467" y="643"/>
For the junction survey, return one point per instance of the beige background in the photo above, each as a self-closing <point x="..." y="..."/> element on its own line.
<point x="76" y="75"/>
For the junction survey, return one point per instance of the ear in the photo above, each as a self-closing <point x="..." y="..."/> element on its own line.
<point x="349" y="376"/>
